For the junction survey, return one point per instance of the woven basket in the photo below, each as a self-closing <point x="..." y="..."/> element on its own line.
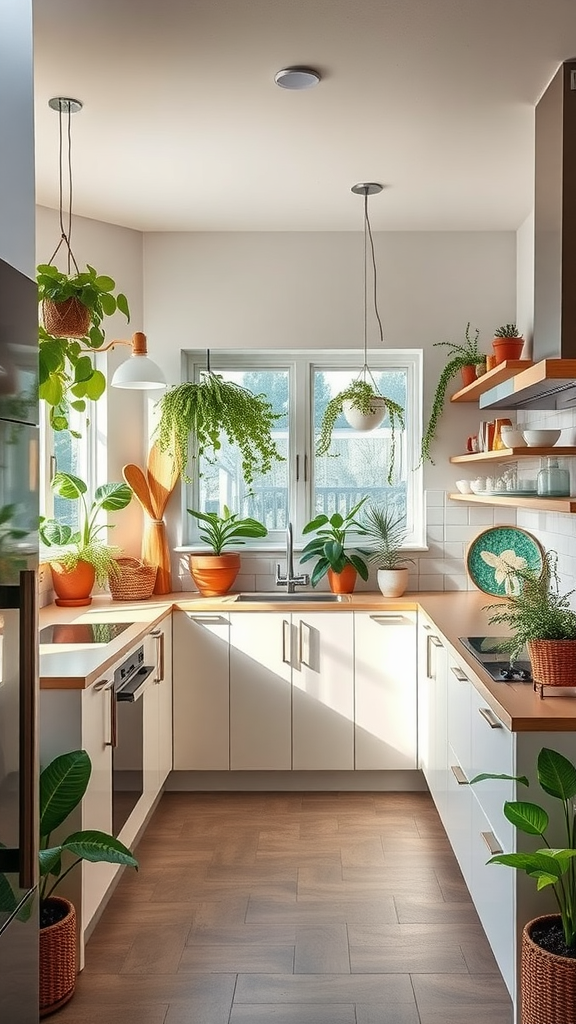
<point x="553" y="662"/>
<point x="68" y="319"/>
<point x="548" y="981"/>
<point x="58" y="960"/>
<point x="134" y="582"/>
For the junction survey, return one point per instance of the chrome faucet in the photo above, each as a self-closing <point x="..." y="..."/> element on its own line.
<point x="290" y="579"/>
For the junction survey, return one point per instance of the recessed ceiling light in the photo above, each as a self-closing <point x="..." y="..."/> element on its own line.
<point x="297" y="78"/>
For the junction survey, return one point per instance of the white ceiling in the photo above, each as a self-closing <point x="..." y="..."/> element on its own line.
<point x="184" y="129"/>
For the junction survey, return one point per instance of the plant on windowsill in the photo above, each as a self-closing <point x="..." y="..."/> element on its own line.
<point x="539" y="617"/>
<point x="215" y="573"/>
<point x="385" y="531"/>
<point x="63" y="784"/>
<point x="365" y="408"/>
<point x="464" y="358"/>
<point x="212" y="406"/>
<point x="333" y="555"/>
<point x="81" y="557"/>
<point x="548" y="967"/>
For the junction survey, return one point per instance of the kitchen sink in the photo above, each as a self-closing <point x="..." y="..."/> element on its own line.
<point x="284" y="598"/>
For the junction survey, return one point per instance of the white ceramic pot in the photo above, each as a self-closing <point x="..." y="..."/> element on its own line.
<point x="393" y="582"/>
<point x="365" y="421"/>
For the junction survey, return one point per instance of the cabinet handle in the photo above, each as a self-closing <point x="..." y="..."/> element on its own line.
<point x="426" y="626"/>
<point x="286" y="652"/>
<point x="431" y="641"/>
<point x="105" y="684"/>
<point x="102" y="684"/>
<point x="489" y="716"/>
<point x="458" y="775"/>
<point x="209" y="620"/>
<point x="460" y="675"/>
<point x="492" y="843"/>
<point x="297" y="468"/>
<point x="305" y="467"/>
<point x="391" y="617"/>
<point x="159" y="635"/>
<point x="303" y="658"/>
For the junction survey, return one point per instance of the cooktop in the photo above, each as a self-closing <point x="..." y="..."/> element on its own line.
<point x="496" y="662"/>
<point x="81" y="632"/>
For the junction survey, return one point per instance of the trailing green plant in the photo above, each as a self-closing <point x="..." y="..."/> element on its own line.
<point x="67" y="377"/>
<point x="63" y="784"/>
<point x="85" y="544"/>
<point x="548" y="866"/>
<point x="507" y="331"/>
<point x="210" y="407"/>
<point x="385" y="530"/>
<point x="467" y="354"/>
<point x="361" y="395"/>
<point x="222" y="531"/>
<point x="537" y="611"/>
<point x="329" y="546"/>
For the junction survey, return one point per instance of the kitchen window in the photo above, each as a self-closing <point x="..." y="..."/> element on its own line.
<point x="299" y="386"/>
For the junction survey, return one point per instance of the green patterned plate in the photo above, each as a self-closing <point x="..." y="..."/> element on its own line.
<point x="498" y="549"/>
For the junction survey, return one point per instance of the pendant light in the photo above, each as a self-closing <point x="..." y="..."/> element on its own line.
<point x="357" y="419"/>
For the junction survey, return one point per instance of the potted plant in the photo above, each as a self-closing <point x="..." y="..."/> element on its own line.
<point x="73" y="309"/>
<point x="364" y="409"/>
<point x="82" y="557"/>
<point x="213" y="406"/>
<point x="385" y="530"/>
<point x="548" y="957"/>
<point x="215" y="573"/>
<point x="540" y="618"/>
<point x="465" y="359"/>
<point x="329" y="549"/>
<point x="507" y="343"/>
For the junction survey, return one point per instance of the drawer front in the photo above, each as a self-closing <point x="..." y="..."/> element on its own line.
<point x="459" y="728"/>
<point x="493" y="751"/>
<point x="458" y="818"/>
<point x="492" y="887"/>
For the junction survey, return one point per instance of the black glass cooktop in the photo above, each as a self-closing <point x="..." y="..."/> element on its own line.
<point x="82" y="632"/>
<point x="496" y="662"/>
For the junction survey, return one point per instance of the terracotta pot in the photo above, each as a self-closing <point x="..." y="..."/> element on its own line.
<point x="548" y="981"/>
<point x="214" y="574"/>
<point x="342" y="582"/>
<point x="68" y="319"/>
<point x="58" y="959"/>
<point x="365" y="420"/>
<point x="468" y="375"/>
<point x="507" y="348"/>
<point x="73" y="586"/>
<point x="392" y="582"/>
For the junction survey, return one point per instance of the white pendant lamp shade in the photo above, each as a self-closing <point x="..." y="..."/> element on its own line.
<point x="139" y="372"/>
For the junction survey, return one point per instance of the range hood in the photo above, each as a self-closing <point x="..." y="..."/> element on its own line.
<point x="551" y="382"/>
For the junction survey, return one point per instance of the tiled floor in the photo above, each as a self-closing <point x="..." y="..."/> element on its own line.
<point x="291" y="908"/>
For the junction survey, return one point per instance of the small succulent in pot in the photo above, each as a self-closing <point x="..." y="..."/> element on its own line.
<point x="507" y="331"/>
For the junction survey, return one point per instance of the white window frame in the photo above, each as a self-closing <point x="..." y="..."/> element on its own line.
<point x="301" y="366"/>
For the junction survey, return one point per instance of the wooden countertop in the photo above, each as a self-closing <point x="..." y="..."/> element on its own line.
<point x="455" y="614"/>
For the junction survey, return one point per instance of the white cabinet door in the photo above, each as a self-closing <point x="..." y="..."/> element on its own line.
<point x="323" y="691"/>
<point x="385" y="690"/>
<point x="163" y="685"/>
<point x="98" y="709"/>
<point x="201" y="691"/>
<point x="261" y="645"/>
<point x="432" y="714"/>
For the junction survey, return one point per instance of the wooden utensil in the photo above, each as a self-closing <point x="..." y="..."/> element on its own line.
<point x="162" y="477"/>
<point x="154" y="543"/>
<point x="136" y="479"/>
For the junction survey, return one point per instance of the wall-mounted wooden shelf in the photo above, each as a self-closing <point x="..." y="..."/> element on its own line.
<point x="490" y="379"/>
<point x="511" y="454"/>
<point x="540" y="504"/>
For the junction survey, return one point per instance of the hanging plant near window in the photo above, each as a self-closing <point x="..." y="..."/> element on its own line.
<point x="207" y="409"/>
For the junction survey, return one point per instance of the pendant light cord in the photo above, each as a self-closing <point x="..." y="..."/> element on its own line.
<point x="65" y="230"/>
<point x="369" y="243"/>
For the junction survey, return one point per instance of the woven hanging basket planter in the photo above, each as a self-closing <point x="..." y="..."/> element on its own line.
<point x="553" y="662"/>
<point x="58" y="963"/>
<point x="548" y="981"/>
<point x="68" y="319"/>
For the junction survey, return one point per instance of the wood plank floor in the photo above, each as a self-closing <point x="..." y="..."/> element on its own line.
<point x="291" y="908"/>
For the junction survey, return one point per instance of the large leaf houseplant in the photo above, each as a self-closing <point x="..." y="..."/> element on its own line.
<point x="462" y="355"/>
<point x="215" y="572"/>
<point x="206" y="409"/>
<point x="335" y="556"/>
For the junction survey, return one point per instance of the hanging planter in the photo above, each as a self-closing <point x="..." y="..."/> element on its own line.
<point x="367" y="407"/>
<point x="365" y="421"/>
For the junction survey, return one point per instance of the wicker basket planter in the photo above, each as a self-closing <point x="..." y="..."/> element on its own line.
<point x="68" y="319"/>
<point x="135" y="581"/>
<point x="58" y="961"/>
<point x="553" y="662"/>
<point x="548" y="981"/>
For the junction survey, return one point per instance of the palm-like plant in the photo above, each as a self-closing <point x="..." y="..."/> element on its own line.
<point x="385" y="530"/>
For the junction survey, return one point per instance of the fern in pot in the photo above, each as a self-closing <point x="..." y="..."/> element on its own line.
<point x="465" y="358"/>
<point x="385" y="531"/>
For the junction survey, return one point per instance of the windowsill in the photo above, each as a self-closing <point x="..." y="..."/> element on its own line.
<point x="186" y="549"/>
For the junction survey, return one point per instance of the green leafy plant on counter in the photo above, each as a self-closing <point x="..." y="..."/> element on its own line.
<point x="222" y="531"/>
<point x="361" y="395"/>
<point x="466" y="354"/>
<point x="330" y="548"/>
<point x="210" y="407"/>
<point x="84" y="544"/>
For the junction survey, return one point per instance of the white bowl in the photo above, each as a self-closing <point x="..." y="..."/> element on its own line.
<point x="541" y="438"/>
<point x="512" y="437"/>
<point x="464" y="486"/>
<point x="478" y="486"/>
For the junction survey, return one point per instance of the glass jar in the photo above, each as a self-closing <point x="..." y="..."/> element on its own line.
<point x="553" y="482"/>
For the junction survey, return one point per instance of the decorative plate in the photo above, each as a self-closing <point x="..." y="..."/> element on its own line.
<point x="493" y="555"/>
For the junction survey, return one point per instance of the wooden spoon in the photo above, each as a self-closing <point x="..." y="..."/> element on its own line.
<point x="162" y="475"/>
<point x="136" y="479"/>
